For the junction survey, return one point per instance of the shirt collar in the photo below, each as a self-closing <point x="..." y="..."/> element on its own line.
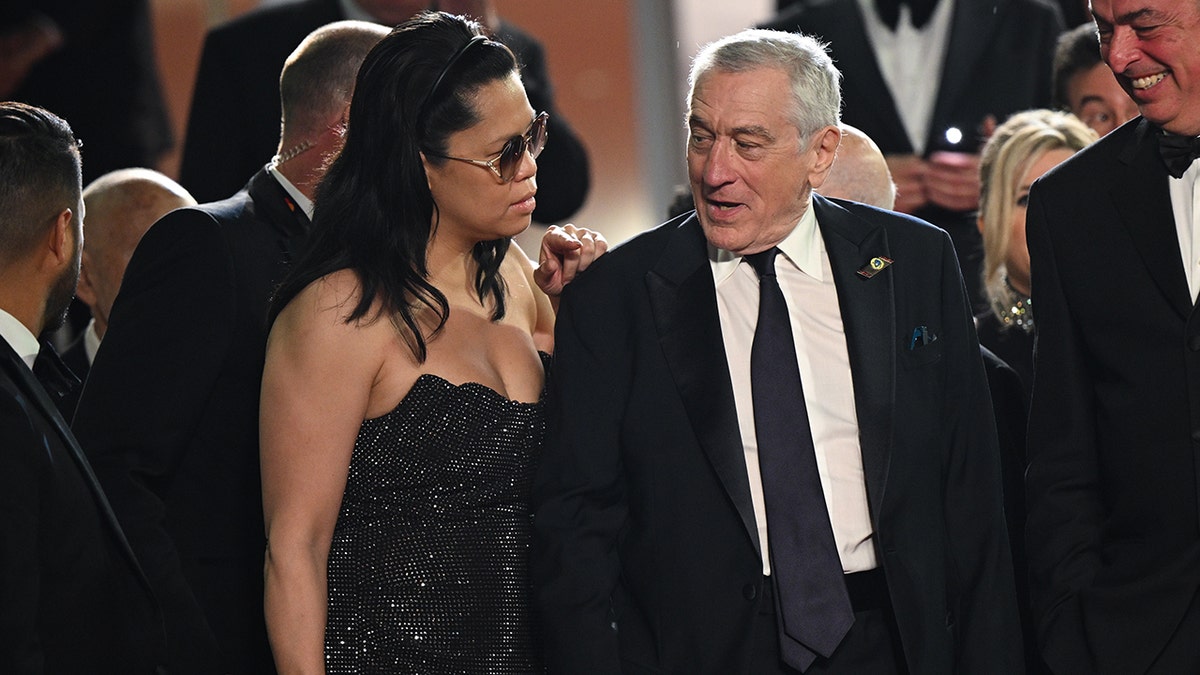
<point x="803" y="246"/>
<point x="91" y="342"/>
<point x="22" y="341"/>
<point x="294" y="192"/>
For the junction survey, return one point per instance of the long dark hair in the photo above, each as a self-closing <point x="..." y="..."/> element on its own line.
<point x="374" y="211"/>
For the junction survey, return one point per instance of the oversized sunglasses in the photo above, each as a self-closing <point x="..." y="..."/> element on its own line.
<point x="505" y="164"/>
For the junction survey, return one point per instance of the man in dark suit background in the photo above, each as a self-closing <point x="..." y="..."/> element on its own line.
<point x="235" y="106"/>
<point x="74" y="597"/>
<point x="121" y="206"/>
<point x="660" y="545"/>
<point x="928" y="80"/>
<point x="93" y="64"/>
<point x="169" y="415"/>
<point x="1114" y="505"/>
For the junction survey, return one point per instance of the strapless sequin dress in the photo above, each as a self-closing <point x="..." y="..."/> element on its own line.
<point x="428" y="569"/>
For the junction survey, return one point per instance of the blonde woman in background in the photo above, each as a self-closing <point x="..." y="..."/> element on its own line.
<point x="1026" y="146"/>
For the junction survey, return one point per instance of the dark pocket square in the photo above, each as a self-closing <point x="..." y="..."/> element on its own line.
<point x="921" y="336"/>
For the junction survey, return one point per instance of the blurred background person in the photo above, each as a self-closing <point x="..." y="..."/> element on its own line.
<point x="928" y="81"/>
<point x="860" y="172"/>
<point x="92" y="63"/>
<point x="121" y="206"/>
<point x="1026" y="146"/>
<point x="1084" y="85"/>
<point x="402" y="395"/>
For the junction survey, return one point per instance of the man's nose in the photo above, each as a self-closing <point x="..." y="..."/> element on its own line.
<point x="1122" y="50"/>
<point x="718" y="166"/>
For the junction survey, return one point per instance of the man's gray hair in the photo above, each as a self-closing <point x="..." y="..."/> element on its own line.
<point x="816" y="83"/>
<point x="317" y="81"/>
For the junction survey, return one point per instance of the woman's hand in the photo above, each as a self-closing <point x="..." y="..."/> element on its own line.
<point x="565" y="252"/>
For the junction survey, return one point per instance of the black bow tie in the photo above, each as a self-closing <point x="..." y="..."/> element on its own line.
<point x="1178" y="152"/>
<point x="56" y="378"/>
<point x="889" y="11"/>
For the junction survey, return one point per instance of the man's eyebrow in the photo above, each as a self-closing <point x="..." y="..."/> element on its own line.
<point x="1144" y="13"/>
<point x="756" y="131"/>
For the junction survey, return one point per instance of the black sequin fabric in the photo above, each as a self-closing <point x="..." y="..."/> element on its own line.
<point x="428" y="569"/>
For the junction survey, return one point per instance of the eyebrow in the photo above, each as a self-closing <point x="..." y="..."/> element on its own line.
<point x="1090" y="99"/>
<point x="1144" y="13"/>
<point x="756" y="131"/>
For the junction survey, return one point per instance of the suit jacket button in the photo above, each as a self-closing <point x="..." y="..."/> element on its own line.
<point x="749" y="591"/>
<point x="1194" y="343"/>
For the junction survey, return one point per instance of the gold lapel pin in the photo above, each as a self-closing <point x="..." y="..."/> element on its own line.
<point x="874" y="266"/>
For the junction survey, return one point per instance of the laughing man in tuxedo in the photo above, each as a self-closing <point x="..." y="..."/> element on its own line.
<point x="797" y="475"/>
<point x="1114" y="430"/>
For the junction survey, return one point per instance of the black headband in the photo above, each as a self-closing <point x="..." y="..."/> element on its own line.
<point x="450" y="64"/>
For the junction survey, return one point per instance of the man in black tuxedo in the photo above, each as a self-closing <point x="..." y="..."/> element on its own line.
<point x="1114" y="505"/>
<point x="74" y="596"/>
<point x="665" y="540"/>
<point x="235" y="105"/>
<point x="927" y="80"/>
<point x="169" y="414"/>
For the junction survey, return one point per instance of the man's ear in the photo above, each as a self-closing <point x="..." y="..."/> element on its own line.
<point x="59" y="243"/>
<point x="825" y="144"/>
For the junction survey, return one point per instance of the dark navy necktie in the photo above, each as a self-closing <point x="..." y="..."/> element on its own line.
<point x="1178" y="152"/>
<point x="813" y="607"/>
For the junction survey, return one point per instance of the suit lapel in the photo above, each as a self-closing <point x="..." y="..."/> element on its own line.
<point x="683" y="302"/>
<point x="24" y="378"/>
<point x="1143" y="201"/>
<point x="869" y="320"/>
<point x="971" y="30"/>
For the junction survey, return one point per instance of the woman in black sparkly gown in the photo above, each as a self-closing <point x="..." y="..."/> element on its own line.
<point x="402" y="397"/>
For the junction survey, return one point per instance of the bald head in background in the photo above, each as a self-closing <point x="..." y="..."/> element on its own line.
<point x="860" y="173"/>
<point x="119" y="207"/>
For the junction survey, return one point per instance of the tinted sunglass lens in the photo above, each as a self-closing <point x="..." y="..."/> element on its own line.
<point x="514" y="150"/>
<point x="510" y="157"/>
<point x="537" y="137"/>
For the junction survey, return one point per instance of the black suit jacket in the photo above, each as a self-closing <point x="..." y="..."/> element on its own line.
<point x="998" y="61"/>
<point x="169" y="417"/>
<point x="233" y="128"/>
<point x="646" y="554"/>
<point x="1113" y="530"/>
<point x="74" y="597"/>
